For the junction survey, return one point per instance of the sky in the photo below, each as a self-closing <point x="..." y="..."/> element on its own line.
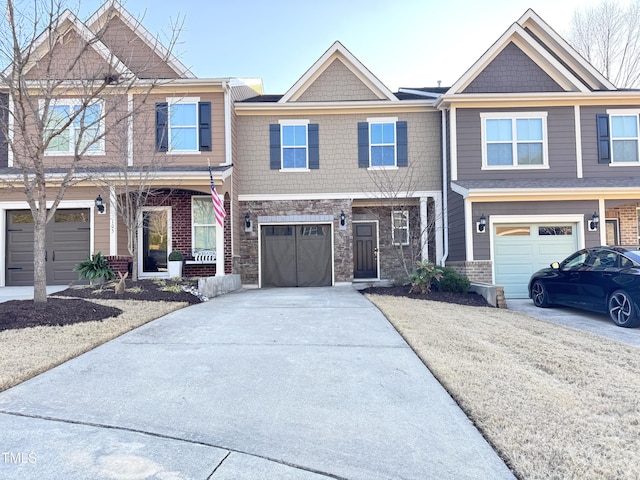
<point x="404" y="43"/>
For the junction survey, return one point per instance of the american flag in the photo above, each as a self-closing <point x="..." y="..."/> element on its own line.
<point x="218" y="204"/>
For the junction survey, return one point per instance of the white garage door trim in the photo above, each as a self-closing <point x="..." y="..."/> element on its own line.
<point x="577" y="220"/>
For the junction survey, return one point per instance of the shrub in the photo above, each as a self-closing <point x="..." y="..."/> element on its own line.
<point x="425" y="274"/>
<point x="95" y="268"/>
<point x="175" y="256"/>
<point x="452" y="281"/>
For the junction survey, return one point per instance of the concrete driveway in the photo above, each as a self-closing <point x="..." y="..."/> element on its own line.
<point x="280" y="384"/>
<point x="597" y="323"/>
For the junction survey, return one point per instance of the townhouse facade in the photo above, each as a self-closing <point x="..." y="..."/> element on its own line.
<point x="542" y="158"/>
<point x="529" y="156"/>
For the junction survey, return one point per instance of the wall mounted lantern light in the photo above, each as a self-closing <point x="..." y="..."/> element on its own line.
<point x="248" y="227"/>
<point x="343" y="219"/>
<point x="595" y="220"/>
<point x="482" y="223"/>
<point x="99" y="204"/>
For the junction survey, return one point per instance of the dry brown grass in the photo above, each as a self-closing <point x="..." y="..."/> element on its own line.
<point x="30" y="351"/>
<point x="556" y="403"/>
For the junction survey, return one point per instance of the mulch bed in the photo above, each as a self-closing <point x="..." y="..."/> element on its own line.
<point x="16" y="314"/>
<point x="470" y="298"/>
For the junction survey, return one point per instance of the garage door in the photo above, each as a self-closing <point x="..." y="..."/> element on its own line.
<point x="67" y="245"/>
<point x="296" y="255"/>
<point x="521" y="250"/>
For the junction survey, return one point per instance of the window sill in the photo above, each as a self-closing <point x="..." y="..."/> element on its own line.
<point x="624" y="164"/>
<point x="515" y="167"/>
<point x="383" y="168"/>
<point x="200" y="262"/>
<point x="288" y="170"/>
<point x="184" y="152"/>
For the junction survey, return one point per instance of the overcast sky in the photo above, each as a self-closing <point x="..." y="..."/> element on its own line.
<point x="405" y="43"/>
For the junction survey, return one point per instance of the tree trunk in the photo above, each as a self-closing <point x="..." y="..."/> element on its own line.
<point x="39" y="257"/>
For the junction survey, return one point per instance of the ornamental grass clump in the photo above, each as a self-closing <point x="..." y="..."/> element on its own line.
<point x="425" y="274"/>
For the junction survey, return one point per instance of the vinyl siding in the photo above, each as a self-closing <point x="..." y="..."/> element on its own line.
<point x="481" y="246"/>
<point x="338" y="170"/>
<point x="337" y="83"/>
<point x="560" y="138"/>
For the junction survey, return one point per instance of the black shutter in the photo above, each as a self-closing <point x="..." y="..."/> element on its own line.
<point x="275" y="161"/>
<point x="162" y="127"/>
<point x="314" y="147"/>
<point x="402" y="154"/>
<point x="4" y="129"/>
<point x="204" y="126"/>
<point x="363" y="144"/>
<point x="604" y="146"/>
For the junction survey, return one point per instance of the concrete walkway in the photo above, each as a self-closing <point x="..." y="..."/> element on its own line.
<point x="24" y="293"/>
<point x="280" y="384"/>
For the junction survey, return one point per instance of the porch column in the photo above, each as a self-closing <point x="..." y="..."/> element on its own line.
<point x="424" y="230"/>
<point x="220" y="249"/>
<point x="439" y="228"/>
<point x="113" y="222"/>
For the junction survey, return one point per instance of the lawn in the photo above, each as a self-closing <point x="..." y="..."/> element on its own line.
<point x="556" y="403"/>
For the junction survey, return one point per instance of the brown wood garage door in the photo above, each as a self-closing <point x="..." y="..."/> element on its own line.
<point x="67" y="245"/>
<point x="296" y="255"/>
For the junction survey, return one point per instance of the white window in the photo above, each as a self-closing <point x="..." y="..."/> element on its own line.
<point x="183" y="124"/>
<point x="203" y="224"/>
<point x="514" y="140"/>
<point x="382" y="142"/>
<point x="400" y="227"/>
<point x="71" y="129"/>
<point x="294" y="141"/>
<point x="624" y="137"/>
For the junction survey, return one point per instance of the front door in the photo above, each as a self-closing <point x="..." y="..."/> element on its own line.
<point x="154" y="241"/>
<point x="365" y="255"/>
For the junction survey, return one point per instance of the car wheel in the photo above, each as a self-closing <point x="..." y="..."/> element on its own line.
<point x="539" y="294"/>
<point x="622" y="310"/>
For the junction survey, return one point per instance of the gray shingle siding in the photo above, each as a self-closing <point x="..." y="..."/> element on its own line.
<point x="560" y="136"/>
<point x="512" y="71"/>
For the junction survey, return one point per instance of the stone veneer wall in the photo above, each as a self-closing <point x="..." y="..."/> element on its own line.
<point x="478" y="271"/>
<point x="342" y="239"/>
<point x="393" y="258"/>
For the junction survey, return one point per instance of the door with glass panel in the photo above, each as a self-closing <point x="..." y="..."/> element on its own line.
<point x="154" y="241"/>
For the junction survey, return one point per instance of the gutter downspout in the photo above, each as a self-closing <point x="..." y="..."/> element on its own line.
<point x="445" y="208"/>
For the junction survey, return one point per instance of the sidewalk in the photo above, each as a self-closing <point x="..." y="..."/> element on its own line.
<point x="260" y="384"/>
<point x="25" y="293"/>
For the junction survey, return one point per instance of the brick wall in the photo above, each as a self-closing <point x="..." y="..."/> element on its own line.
<point x="119" y="263"/>
<point x="247" y="263"/>
<point x="628" y="223"/>
<point x="478" y="271"/>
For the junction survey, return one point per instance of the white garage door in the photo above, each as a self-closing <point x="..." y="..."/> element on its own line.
<point x="521" y="250"/>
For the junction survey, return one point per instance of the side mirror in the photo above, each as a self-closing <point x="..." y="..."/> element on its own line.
<point x="555" y="265"/>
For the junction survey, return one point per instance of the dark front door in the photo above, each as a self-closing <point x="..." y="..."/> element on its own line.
<point x="365" y="253"/>
<point x="67" y="244"/>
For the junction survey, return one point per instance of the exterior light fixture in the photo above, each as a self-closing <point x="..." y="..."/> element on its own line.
<point x="99" y="204"/>
<point x="343" y="218"/>
<point x="248" y="227"/>
<point x="482" y="223"/>
<point x="595" y="220"/>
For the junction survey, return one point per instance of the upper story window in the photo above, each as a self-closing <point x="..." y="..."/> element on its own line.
<point x="183" y="125"/>
<point x="382" y="143"/>
<point x="618" y="137"/>
<point x="72" y="129"/>
<point x="294" y="146"/>
<point x="514" y="140"/>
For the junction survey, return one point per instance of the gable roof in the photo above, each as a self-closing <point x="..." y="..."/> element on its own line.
<point x="337" y="50"/>
<point x="65" y="22"/>
<point x="547" y="50"/>
<point x="110" y="6"/>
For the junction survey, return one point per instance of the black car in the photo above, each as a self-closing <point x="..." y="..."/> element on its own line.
<point x="601" y="279"/>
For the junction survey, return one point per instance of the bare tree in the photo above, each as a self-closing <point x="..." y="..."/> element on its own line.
<point x="51" y="142"/>
<point x="608" y="36"/>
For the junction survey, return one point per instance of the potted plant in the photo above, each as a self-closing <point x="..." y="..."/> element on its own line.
<point x="174" y="265"/>
<point x="95" y="268"/>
